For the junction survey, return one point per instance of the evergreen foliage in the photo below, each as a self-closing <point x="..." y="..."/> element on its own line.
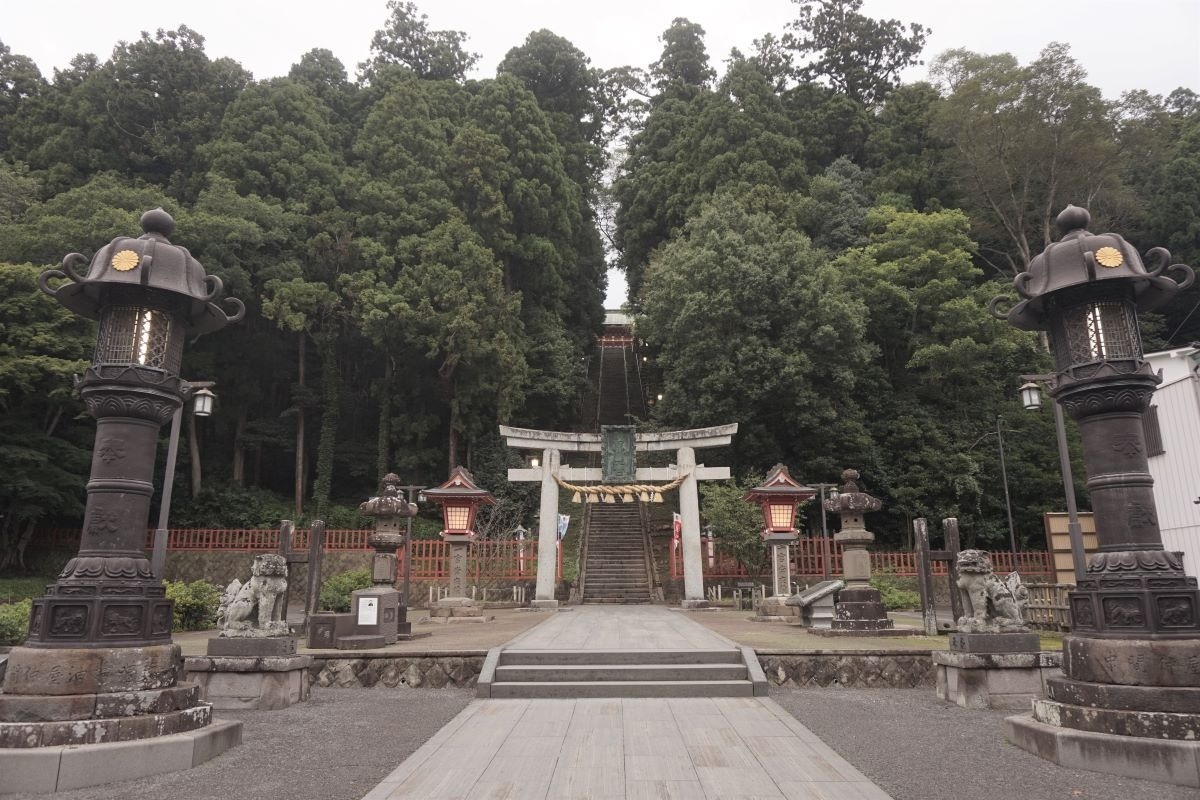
<point x="810" y="247"/>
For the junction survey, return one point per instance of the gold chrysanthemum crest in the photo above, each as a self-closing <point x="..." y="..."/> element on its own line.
<point x="124" y="260"/>
<point x="1109" y="257"/>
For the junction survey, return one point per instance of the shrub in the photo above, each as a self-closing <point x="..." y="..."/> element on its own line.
<point x="14" y="622"/>
<point x="894" y="595"/>
<point x="335" y="592"/>
<point x="196" y="604"/>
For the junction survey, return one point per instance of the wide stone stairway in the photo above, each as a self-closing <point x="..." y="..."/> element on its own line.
<point x="626" y="652"/>
<point x="615" y="562"/>
<point x="544" y="733"/>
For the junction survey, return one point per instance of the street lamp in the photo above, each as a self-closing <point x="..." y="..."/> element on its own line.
<point x="1136" y="612"/>
<point x="202" y="406"/>
<point x="1031" y="398"/>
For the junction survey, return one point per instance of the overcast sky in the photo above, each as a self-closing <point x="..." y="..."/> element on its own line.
<point x="1123" y="44"/>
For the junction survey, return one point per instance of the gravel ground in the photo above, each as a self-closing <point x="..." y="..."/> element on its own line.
<point x="917" y="747"/>
<point x="336" y="746"/>
<point x="342" y="742"/>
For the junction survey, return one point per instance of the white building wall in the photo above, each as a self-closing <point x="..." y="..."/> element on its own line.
<point x="1177" y="471"/>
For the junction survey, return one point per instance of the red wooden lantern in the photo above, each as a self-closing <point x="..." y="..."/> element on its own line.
<point x="459" y="498"/>
<point x="779" y="496"/>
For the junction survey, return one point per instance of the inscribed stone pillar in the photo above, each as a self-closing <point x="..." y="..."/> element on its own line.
<point x="781" y="573"/>
<point x="689" y="510"/>
<point x="458" y="569"/>
<point x="547" y="577"/>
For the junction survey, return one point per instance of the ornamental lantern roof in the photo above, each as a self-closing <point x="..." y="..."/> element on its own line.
<point x="388" y="503"/>
<point x="780" y="485"/>
<point x="460" y="486"/>
<point x="149" y="264"/>
<point x="1084" y="259"/>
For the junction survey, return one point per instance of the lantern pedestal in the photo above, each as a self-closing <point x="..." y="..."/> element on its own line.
<point x="859" y="610"/>
<point x="775" y="608"/>
<point x="458" y="607"/>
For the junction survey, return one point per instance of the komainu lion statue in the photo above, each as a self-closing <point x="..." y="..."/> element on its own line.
<point x="990" y="605"/>
<point x="255" y="608"/>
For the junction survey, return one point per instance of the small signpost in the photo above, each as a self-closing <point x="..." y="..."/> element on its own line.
<point x="925" y="559"/>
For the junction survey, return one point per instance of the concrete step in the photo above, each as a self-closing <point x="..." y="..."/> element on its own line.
<point x="618" y="657"/>
<point x="569" y="689"/>
<point x="591" y="673"/>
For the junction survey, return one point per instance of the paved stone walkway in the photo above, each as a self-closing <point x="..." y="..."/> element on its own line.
<point x="602" y="749"/>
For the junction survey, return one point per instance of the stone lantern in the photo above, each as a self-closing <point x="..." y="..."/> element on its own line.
<point x="859" y="606"/>
<point x="1134" y="648"/>
<point x="103" y="628"/>
<point x="778" y="496"/>
<point x="391" y="610"/>
<point x="460" y="499"/>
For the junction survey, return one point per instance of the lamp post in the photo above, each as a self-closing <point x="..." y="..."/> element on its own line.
<point x="1031" y="399"/>
<point x="999" y="434"/>
<point x="105" y="622"/>
<point x="859" y="606"/>
<point x="203" y="400"/>
<point x="1136" y="613"/>
<point x="778" y="496"/>
<point x="388" y="508"/>
<point x="460" y="499"/>
<point x="825" y="554"/>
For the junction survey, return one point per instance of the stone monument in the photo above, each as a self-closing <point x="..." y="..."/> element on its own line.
<point x="994" y="660"/>
<point x="252" y="662"/>
<point x="380" y="610"/>
<point x="859" y="608"/>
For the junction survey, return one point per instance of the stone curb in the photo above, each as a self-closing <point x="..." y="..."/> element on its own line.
<point x="57" y="769"/>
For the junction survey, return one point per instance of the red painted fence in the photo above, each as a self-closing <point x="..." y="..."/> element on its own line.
<point x="487" y="558"/>
<point x="807" y="556"/>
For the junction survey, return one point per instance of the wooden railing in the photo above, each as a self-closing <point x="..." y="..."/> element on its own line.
<point x="807" y="556"/>
<point x="486" y="559"/>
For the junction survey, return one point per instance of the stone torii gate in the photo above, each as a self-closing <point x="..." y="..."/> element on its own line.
<point x="554" y="443"/>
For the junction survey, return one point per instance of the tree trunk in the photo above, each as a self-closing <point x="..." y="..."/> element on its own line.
<point x="452" y="453"/>
<point x="194" y="453"/>
<point x="299" y="481"/>
<point x="383" y="452"/>
<point x="331" y="397"/>
<point x="239" y="449"/>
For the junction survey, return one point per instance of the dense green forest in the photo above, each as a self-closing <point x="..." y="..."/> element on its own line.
<point x="810" y="247"/>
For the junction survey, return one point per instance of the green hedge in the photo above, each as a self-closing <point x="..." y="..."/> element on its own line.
<point x="14" y="622"/>
<point x="196" y="604"/>
<point x="335" y="592"/>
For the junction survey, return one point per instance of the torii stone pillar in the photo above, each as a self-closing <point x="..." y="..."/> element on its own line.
<point x="553" y="443"/>
<point x="547" y="564"/>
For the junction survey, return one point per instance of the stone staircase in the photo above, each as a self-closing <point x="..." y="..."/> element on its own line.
<point x="620" y="673"/>
<point x="615" y="562"/>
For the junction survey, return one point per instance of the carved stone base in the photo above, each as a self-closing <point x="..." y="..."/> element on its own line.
<point x="272" y="646"/>
<point x="1008" y="680"/>
<point x="1123" y="596"/>
<point x="860" y="608"/>
<point x="1145" y="724"/>
<point x="1171" y="699"/>
<point x="266" y="684"/>
<point x="91" y="670"/>
<point x="94" y="618"/>
<point x="994" y="642"/>
<point x="1132" y="662"/>
<point x="59" y="708"/>
<point x="110" y="729"/>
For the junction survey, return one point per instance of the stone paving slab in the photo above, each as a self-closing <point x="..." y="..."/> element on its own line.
<point x="688" y="748"/>
<point x="620" y="628"/>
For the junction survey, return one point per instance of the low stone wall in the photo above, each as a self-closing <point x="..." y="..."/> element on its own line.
<point x="876" y="669"/>
<point x="893" y="669"/>
<point x="434" y="670"/>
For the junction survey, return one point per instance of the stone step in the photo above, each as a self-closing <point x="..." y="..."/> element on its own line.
<point x="619" y="657"/>
<point x="571" y="689"/>
<point x="590" y="673"/>
<point x="616" y="601"/>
